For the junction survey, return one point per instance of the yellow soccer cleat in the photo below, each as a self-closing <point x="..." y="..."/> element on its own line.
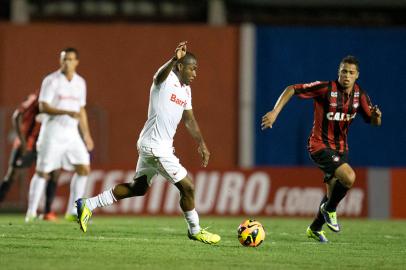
<point x="84" y="214"/>
<point x="319" y="236"/>
<point x="30" y="218"/>
<point x="205" y="237"/>
<point x="330" y="218"/>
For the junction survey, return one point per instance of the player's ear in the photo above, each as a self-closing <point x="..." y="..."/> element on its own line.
<point x="179" y="66"/>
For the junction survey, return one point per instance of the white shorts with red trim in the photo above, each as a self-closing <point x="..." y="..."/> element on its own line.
<point x="153" y="161"/>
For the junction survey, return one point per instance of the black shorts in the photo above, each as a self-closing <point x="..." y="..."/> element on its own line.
<point x="18" y="160"/>
<point x="328" y="161"/>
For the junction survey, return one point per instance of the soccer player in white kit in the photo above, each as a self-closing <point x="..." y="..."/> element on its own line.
<point x="170" y="101"/>
<point x="64" y="135"/>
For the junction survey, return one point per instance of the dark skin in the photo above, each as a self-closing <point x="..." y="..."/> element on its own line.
<point x="186" y="73"/>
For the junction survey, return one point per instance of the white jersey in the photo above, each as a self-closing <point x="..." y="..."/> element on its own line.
<point x="60" y="93"/>
<point x="167" y="102"/>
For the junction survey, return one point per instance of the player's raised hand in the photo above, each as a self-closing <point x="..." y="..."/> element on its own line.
<point x="268" y="119"/>
<point x="180" y="51"/>
<point x="204" y="153"/>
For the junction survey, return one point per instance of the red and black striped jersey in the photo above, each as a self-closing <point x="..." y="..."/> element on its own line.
<point x="334" y="111"/>
<point x="30" y="127"/>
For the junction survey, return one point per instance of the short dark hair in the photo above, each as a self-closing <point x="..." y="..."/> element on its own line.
<point x="187" y="58"/>
<point x="349" y="59"/>
<point x="71" y="50"/>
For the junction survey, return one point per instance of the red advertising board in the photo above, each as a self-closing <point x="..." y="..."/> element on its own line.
<point x="267" y="191"/>
<point x="398" y="193"/>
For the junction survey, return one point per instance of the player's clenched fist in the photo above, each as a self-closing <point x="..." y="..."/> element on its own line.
<point x="376" y="112"/>
<point x="180" y="51"/>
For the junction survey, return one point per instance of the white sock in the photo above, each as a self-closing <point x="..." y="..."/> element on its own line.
<point x="103" y="199"/>
<point x="37" y="186"/>
<point x="192" y="219"/>
<point x="77" y="189"/>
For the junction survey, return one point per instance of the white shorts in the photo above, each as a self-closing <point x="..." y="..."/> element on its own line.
<point x="153" y="161"/>
<point x="52" y="154"/>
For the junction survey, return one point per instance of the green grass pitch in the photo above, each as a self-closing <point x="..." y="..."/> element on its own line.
<point x="161" y="243"/>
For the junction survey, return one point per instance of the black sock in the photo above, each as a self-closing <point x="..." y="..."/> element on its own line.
<point x="319" y="219"/>
<point x="50" y="195"/>
<point x="338" y="193"/>
<point x="4" y="188"/>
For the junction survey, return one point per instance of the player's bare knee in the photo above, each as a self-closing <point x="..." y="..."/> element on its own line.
<point x="190" y="190"/>
<point x="82" y="170"/>
<point x="43" y="175"/>
<point x="140" y="186"/>
<point x="348" y="179"/>
<point x="186" y="189"/>
<point x="351" y="178"/>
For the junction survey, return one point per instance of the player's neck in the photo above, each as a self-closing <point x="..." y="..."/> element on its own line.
<point x="68" y="74"/>
<point x="179" y="77"/>
<point x="348" y="90"/>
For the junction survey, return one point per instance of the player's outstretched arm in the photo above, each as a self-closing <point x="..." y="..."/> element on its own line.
<point x="376" y="116"/>
<point x="164" y="71"/>
<point x="194" y="130"/>
<point x="270" y="117"/>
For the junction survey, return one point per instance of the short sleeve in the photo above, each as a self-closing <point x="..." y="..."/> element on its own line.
<point x="47" y="92"/>
<point x="189" y="99"/>
<point x="83" y="97"/>
<point x="311" y="90"/>
<point x="365" y="107"/>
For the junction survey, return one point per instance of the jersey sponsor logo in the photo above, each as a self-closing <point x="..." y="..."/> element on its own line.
<point x="333" y="104"/>
<point x="335" y="158"/>
<point x="334" y="94"/>
<point x="307" y="85"/>
<point x="178" y="100"/>
<point x="339" y="116"/>
<point x="61" y="97"/>
<point x="356" y="94"/>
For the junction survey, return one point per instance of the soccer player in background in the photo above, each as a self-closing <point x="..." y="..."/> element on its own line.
<point x="170" y="101"/>
<point x="23" y="153"/>
<point x="336" y="104"/>
<point x="64" y="135"/>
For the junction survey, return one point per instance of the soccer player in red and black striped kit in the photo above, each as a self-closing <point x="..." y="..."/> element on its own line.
<point x="23" y="153"/>
<point x="336" y="103"/>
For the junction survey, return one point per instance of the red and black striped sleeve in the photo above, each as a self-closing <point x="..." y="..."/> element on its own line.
<point x="311" y="90"/>
<point x="365" y="106"/>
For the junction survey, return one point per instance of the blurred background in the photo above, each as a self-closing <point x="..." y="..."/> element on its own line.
<point x="248" y="52"/>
